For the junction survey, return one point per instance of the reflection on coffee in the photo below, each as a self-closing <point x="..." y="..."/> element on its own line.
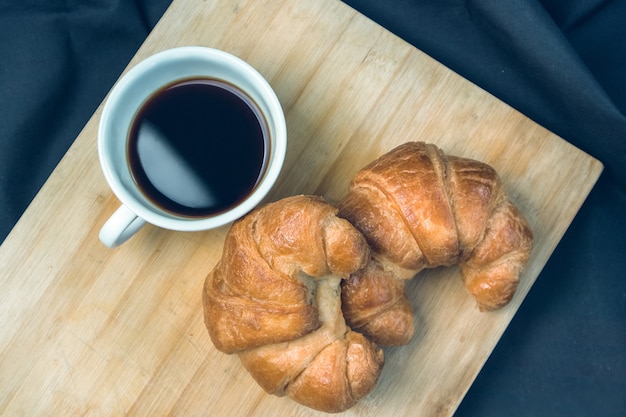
<point x="198" y="147"/>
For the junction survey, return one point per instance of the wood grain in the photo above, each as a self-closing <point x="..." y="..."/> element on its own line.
<point x="98" y="332"/>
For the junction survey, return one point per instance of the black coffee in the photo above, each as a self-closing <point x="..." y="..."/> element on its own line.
<point x="198" y="147"/>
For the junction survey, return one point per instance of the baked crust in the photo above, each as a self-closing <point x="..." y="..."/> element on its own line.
<point x="275" y="300"/>
<point x="419" y="208"/>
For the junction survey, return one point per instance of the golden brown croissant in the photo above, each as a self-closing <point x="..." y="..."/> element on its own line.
<point x="419" y="208"/>
<point x="274" y="299"/>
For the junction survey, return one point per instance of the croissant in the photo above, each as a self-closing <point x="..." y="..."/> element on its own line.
<point x="419" y="208"/>
<point x="274" y="300"/>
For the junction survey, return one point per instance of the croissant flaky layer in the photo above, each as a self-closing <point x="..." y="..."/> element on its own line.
<point x="274" y="299"/>
<point x="419" y="208"/>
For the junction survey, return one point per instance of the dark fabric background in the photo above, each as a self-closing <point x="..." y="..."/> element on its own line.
<point x="560" y="62"/>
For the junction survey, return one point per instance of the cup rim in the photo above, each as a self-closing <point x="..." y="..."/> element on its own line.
<point x="158" y="216"/>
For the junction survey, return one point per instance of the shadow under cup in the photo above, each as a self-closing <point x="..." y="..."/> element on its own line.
<point x="191" y="138"/>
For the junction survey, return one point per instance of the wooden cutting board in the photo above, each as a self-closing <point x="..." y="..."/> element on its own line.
<point x="91" y="331"/>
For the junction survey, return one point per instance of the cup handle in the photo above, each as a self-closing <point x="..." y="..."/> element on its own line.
<point x="120" y="227"/>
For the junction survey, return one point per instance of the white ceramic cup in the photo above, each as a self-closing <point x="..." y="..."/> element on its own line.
<point x="127" y="98"/>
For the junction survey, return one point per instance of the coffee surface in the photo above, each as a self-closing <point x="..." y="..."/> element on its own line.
<point x="197" y="147"/>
